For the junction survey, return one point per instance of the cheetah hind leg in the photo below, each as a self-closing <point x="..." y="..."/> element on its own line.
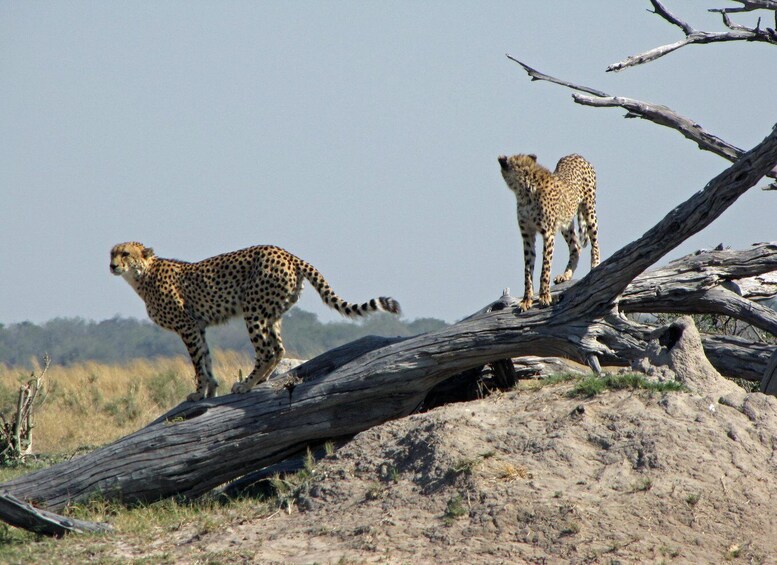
<point x="266" y="339"/>
<point x="574" y="253"/>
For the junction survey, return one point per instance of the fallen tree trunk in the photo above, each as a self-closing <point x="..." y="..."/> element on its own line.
<point x="196" y="447"/>
<point x="23" y="515"/>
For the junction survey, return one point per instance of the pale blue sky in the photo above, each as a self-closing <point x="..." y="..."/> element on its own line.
<point x="361" y="136"/>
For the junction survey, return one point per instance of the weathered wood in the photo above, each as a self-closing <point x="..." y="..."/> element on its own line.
<point x="23" y="515"/>
<point x="769" y="381"/>
<point x="736" y="357"/>
<point x="719" y="281"/>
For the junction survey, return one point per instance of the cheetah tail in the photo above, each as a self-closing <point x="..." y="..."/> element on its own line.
<point x="582" y="228"/>
<point x="348" y="309"/>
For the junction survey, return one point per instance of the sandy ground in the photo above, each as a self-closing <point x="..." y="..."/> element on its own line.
<point x="536" y="476"/>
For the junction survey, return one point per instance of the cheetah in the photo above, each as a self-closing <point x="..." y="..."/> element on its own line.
<point x="547" y="203"/>
<point x="258" y="283"/>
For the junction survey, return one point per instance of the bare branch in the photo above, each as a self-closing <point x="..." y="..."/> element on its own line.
<point x="666" y="117"/>
<point x="693" y="36"/>
<point x="656" y="113"/>
<point x="537" y="75"/>
<point x="748" y="6"/>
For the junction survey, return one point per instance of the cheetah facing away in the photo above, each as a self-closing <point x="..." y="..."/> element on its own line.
<point x="547" y="203"/>
<point x="258" y="283"/>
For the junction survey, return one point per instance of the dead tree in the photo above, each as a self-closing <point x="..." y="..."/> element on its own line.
<point x="16" y="431"/>
<point x="197" y="447"/>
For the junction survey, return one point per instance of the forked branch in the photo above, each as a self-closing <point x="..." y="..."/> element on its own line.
<point x="693" y="36"/>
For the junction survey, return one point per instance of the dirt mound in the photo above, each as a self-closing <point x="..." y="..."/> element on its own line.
<point x="540" y="476"/>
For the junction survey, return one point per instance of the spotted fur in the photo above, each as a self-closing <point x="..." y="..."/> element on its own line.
<point x="548" y="203"/>
<point x="258" y="283"/>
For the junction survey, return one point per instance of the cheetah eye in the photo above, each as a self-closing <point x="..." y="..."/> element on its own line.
<point x="125" y="254"/>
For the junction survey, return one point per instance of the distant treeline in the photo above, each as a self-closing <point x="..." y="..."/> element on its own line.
<point x="70" y="340"/>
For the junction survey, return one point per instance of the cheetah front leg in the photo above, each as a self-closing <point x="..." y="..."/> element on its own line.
<point x="194" y="339"/>
<point x="549" y="240"/>
<point x="574" y="253"/>
<point x="529" y="237"/>
<point x="266" y="339"/>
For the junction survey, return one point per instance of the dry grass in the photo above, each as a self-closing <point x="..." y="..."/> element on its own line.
<point x="153" y="533"/>
<point x="90" y="404"/>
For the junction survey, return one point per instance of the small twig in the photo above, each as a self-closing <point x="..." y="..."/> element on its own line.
<point x="671" y="18"/>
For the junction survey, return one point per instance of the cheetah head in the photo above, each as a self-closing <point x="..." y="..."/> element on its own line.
<point x="517" y="163"/>
<point x="130" y="259"/>
<point x="518" y="169"/>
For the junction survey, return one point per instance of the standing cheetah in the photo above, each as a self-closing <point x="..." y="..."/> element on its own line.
<point x="547" y="203"/>
<point x="259" y="283"/>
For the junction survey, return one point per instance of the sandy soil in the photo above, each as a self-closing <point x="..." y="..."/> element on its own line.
<point x="536" y="476"/>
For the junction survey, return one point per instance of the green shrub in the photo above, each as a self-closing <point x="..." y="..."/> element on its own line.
<point x="126" y="408"/>
<point x="168" y="388"/>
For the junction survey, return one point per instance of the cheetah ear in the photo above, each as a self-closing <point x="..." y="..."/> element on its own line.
<point x="532" y="156"/>
<point x="148" y="252"/>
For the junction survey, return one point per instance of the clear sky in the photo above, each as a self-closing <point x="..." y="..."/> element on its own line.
<point x="361" y="136"/>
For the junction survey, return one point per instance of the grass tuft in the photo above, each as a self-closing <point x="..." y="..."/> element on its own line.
<point x="591" y="386"/>
<point x="454" y="510"/>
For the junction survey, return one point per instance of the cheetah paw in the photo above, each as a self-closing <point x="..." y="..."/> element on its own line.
<point x="240" y="387"/>
<point x="195" y="396"/>
<point x="525" y="304"/>
<point x="545" y="299"/>
<point x="563" y="277"/>
<point x="212" y="390"/>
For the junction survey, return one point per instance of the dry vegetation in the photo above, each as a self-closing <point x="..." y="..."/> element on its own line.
<point x="90" y="404"/>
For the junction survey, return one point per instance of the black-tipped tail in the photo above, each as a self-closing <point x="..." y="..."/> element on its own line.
<point x="382" y="304"/>
<point x="388" y="304"/>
